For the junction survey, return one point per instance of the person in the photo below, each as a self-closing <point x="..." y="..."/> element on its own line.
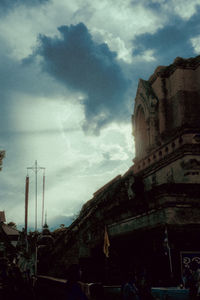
<point x="129" y="289"/>
<point x="197" y="281"/>
<point x="4" y="280"/>
<point x="185" y="276"/>
<point x="192" y="283"/>
<point x="144" y="288"/>
<point x="96" y="291"/>
<point x="73" y="285"/>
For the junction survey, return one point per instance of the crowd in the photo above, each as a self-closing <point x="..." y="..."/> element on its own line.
<point x="17" y="284"/>
<point x="13" y="283"/>
<point x="131" y="289"/>
<point x="191" y="279"/>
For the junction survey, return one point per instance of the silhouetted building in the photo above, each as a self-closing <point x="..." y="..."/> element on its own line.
<point x="152" y="212"/>
<point x="8" y="238"/>
<point x="45" y="245"/>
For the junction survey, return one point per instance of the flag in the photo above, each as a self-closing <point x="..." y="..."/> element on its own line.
<point x="166" y="242"/>
<point x="167" y="250"/>
<point x="106" y="244"/>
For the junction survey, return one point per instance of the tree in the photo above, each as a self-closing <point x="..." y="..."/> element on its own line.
<point x="12" y="224"/>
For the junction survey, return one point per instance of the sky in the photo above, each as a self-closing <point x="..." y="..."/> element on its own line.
<point x="69" y="72"/>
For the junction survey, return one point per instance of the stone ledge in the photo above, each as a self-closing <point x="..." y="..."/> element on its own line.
<point x="179" y="63"/>
<point x="152" y="219"/>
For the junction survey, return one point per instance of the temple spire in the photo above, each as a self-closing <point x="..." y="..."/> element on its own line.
<point x="45" y="221"/>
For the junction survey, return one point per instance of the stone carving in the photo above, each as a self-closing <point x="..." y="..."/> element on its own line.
<point x="197" y="138"/>
<point x="153" y="102"/>
<point x="154" y="179"/>
<point x="130" y="191"/>
<point x="170" y="176"/>
<point x="193" y="164"/>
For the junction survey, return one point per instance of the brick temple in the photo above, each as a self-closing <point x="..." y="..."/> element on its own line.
<point x="158" y="195"/>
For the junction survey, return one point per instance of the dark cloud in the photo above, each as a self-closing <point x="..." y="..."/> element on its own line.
<point x="18" y="81"/>
<point x="171" y="41"/>
<point x="7" y="5"/>
<point x="166" y="8"/>
<point x="17" y="78"/>
<point x="83" y="65"/>
<point x="153" y="5"/>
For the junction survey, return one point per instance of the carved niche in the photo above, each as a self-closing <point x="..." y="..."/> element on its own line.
<point x="145" y="120"/>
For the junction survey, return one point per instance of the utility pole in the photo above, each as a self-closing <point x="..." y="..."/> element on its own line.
<point x="26" y="204"/>
<point x="43" y="199"/>
<point x="36" y="169"/>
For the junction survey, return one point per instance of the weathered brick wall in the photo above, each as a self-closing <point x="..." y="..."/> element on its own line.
<point x="164" y="180"/>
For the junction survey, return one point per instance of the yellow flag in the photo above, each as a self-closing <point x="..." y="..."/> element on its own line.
<point x="106" y="244"/>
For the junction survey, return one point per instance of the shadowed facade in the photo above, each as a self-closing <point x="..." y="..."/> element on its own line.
<point x="160" y="190"/>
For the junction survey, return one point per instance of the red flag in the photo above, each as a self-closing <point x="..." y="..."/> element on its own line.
<point x="26" y="203"/>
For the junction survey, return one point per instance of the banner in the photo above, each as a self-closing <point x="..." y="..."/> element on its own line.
<point x="106" y="244"/>
<point x="190" y="260"/>
<point x="166" y="242"/>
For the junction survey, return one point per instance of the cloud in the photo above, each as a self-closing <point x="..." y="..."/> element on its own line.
<point x="169" y="8"/>
<point x="82" y="65"/>
<point x="22" y="87"/>
<point x="83" y="75"/>
<point x="175" y="39"/>
<point x="7" y="5"/>
<point x="56" y="221"/>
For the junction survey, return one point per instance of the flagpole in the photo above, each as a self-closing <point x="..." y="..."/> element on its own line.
<point x="169" y="251"/>
<point x="170" y="262"/>
<point x="43" y="198"/>
<point x="26" y="203"/>
<point x="36" y="169"/>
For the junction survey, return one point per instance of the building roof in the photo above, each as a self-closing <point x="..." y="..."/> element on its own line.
<point x="179" y="63"/>
<point x="2" y="216"/>
<point x="9" y="230"/>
